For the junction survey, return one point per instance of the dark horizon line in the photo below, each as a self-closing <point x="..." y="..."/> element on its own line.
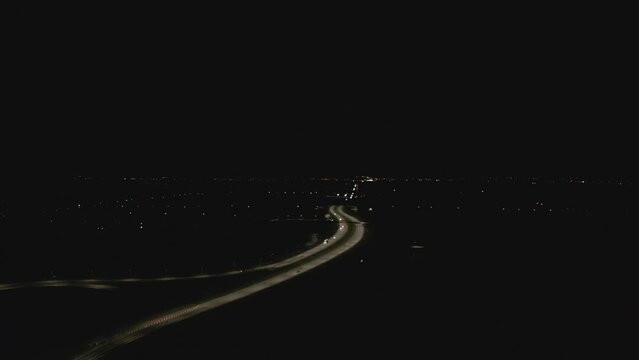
<point x="352" y="175"/>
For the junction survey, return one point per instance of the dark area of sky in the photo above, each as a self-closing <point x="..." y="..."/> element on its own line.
<point x="316" y="89"/>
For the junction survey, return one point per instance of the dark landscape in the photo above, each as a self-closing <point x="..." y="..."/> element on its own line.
<point x="525" y="267"/>
<point x="298" y="180"/>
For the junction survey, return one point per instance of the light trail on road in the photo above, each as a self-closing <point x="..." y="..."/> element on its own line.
<point x="349" y="234"/>
<point x="110" y="284"/>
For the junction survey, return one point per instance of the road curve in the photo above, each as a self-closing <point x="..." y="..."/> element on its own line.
<point x="109" y="284"/>
<point x="349" y="233"/>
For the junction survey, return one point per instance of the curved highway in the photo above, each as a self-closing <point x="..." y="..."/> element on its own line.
<point x="349" y="233"/>
<point x="108" y="284"/>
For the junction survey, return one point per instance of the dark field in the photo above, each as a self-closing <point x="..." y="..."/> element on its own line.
<point x="442" y="281"/>
<point x="477" y="287"/>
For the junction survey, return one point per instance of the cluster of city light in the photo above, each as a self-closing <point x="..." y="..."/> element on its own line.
<point x="129" y="205"/>
<point x="539" y="206"/>
<point x="269" y="192"/>
<point x="530" y="179"/>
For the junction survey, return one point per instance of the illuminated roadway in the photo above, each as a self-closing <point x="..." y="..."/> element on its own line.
<point x="349" y="233"/>
<point x="110" y="284"/>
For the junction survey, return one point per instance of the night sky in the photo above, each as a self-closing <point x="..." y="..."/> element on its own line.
<point x="258" y="89"/>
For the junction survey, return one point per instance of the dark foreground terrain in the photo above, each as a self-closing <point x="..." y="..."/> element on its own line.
<point x="511" y="289"/>
<point x="447" y="282"/>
